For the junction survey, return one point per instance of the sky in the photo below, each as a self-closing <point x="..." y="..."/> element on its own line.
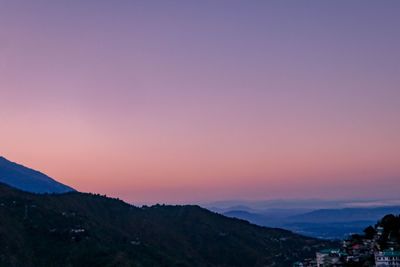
<point x="193" y="101"/>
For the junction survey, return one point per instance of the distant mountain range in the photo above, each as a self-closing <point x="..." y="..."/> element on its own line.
<point x="297" y="206"/>
<point x="322" y="223"/>
<point x="29" y="180"/>
<point x="78" y="229"/>
<point x="345" y="215"/>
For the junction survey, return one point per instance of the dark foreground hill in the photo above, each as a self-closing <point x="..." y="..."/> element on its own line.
<point x="29" y="180"/>
<point x="77" y="229"/>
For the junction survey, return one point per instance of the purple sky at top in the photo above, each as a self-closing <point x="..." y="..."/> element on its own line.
<point x="185" y="101"/>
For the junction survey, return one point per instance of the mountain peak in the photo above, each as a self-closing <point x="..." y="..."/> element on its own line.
<point x="26" y="179"/>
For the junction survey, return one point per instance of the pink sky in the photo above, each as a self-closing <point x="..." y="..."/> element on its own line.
<point x="186" y="102"/>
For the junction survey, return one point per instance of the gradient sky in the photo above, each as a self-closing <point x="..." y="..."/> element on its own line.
<point x="186" y="101"/>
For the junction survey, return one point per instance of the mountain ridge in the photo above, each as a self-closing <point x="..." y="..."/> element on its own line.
<point x="29" y="180"/>
<point x="345" y="214"/>
<point x="83" y="229"/>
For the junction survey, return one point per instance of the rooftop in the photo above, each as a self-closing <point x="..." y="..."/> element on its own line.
<point x="389" y="253"/>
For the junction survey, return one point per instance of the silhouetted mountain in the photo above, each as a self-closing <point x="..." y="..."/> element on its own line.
<point x="79" y="229"/>
<point x="29" y="180"/>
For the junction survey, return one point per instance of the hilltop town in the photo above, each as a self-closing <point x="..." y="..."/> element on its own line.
<point x="379" y="246"/>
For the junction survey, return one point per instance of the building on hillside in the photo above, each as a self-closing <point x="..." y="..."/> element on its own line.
<point x="379" y="231"/>
<point x="306" y="263"/>
<point x="330" y="257"/>
<point x="387" y="258"/>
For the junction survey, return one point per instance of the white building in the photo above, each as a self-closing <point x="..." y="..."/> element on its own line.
<point x="329" y="257"/>
<point x="387" y="258"/>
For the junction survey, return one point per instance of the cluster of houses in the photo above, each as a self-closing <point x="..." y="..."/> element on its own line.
<point x="357" y="251"/>
<point x="387" y="258"/>
<point x="339" y="258"/>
